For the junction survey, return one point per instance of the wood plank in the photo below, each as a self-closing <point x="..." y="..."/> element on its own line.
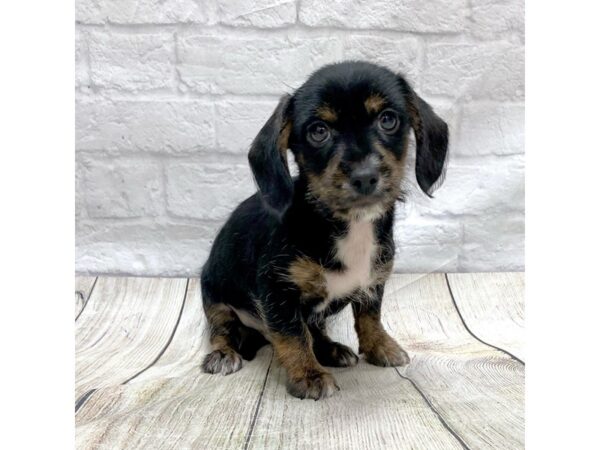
<point x="83" y="288"/>
<point x="478" y="390"/>
<point x="173" y="404"/>
<point x="190" y="343"/>
<point x="492" y="306"/>
<point x="123" y="329"/>
<point x="375" y="408"/>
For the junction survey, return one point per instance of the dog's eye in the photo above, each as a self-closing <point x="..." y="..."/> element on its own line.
<point x="318" y="133"/>
<point x="388" y="121"/>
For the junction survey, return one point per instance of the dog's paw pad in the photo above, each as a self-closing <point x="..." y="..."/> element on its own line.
<point x="318" y="386"/>
<point x="222" y="362"/>
<point x="387" y="354"/>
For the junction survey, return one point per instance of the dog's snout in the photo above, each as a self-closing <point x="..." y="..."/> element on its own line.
<point x="364" y="180"/>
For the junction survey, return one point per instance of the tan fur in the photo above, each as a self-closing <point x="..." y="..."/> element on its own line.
<point x="374" y="103"/>
<point x="381" y="272"/>
<point x="296" y="355"/>
<point x="218" y="316"/>
<point x="369" y="330"/>
<point x="309" y="277"/>
<point x="396" y="167"/>
<point x="326" y="113"/>
<point x="378" y="346"/>
<point x="283" y="142"/>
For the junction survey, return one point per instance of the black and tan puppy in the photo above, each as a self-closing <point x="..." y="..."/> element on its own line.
<point x="302" y="249"/>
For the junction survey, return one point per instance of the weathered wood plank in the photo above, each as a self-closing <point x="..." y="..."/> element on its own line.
<point x="173" y="404"/>
<point x="124" y="327"/>
<point x="478" y="390"/>
<point x="375" y="408"/>
<point x="196" y="410"/>
<point x="492" y="306"/>
<point x="190" y="342"/>
<point x="83" y="288"/>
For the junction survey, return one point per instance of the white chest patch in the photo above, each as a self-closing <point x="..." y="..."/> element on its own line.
<point x="356" y="251"/>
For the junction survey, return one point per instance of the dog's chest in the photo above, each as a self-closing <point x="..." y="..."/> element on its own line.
<point x="356" y="251"/>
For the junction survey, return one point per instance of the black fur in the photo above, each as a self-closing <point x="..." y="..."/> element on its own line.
<point x="248" y="267"/>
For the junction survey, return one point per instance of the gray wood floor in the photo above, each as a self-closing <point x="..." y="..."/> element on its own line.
<point x="139" y="343"/>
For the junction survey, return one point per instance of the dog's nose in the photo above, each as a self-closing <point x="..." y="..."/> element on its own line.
<point x="364" y="180"/>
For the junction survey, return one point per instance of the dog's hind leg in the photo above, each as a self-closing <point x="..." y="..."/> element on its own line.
<point x="224" y="335"/>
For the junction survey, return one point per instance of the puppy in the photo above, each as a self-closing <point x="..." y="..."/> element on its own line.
<point x="300" y="250"/>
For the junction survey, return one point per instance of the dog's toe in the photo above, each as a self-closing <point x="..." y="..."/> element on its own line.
<point x="222" y="362"/>
<point x="333" y="354"/>
<point x="387" y="354"/>
<point x="317" y="386"/>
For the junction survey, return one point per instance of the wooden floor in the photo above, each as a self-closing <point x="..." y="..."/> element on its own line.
<point x="140" y="341"/>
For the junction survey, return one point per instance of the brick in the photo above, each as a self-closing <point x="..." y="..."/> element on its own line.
<point x="157" y="11"/>
<point x="79" y="190"/>
<point x="399" y="55"/>
<point x="152" y="249"/>
<point x="146" y="11"/>
<point x="248" y="65"/>
<point x="427" y="245"/>
<point x="477" y="186"/>
<point x="257" y="13"/>
<point x="145" y="125"/>
<point x="132" y="62"/>
<point x="239" y="121"/>
<point x="493" y="243"/>
<point x="89" y="11"/>
<point x="82" y="76"/>
<point x="491" y="17"/>
<point x="207" y="191"/>
<point x="401" y="15"/>
<point x="491" y="129"/>
<point x="490" y="70"/>
<point x="122" y="188"/>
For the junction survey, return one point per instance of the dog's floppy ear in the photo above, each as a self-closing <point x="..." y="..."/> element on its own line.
<point x="268" y="161"/>
<point x="431" y="134"/>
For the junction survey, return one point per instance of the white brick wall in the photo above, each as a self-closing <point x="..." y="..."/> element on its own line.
<point x="170" y="94"/>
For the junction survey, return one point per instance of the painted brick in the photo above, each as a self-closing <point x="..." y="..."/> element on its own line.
<point x="427" y="245"/>
<point x="257" y="13"/>
<point x="122" y="188"/>
<point x="399" y="55"/>
<point x="151" y="249"/>
<point x="206" y="191"/>
<point x="478" y="187"/>
<point x="491" y="129"/>
<point x="82" y="76"/>
<point x="247" y="65"/>
<point x="174" y="91"/>
<point x="490" y="17"/>
<point x="493" y="241"/>
<point x="401" y="15"/>
<point x="132" y="62"/>
<point x="145" y="125"/>
<point x="239" y="121"/>
<point x="493" y="70"/>
<point x="146" y="11"/>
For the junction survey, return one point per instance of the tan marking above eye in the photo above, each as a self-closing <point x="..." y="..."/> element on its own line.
<point x="374" y="103"/>
<point x="326" y="113"/>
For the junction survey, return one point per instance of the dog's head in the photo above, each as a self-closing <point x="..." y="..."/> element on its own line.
<point x="347" y="127"/>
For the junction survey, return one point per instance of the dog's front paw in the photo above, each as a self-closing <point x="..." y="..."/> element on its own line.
<point x="316" y="386"/>
<point x="387" y="353"/>
<point x="334" y="354"/>
<point x="222" y="362"/>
